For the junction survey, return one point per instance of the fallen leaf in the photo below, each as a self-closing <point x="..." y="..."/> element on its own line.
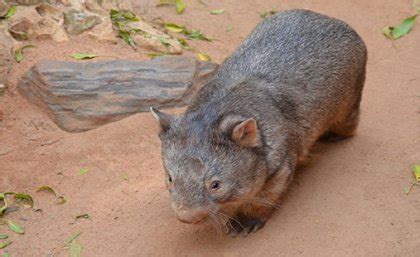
<point x="387" y="31"/>
<point x="10" y="12"/>
<point x="19" y="52"/>
<point x="15" y="227"/>
<point x="202" y="56"/>
<point x="192" y="34"/>
<point x="83" y="171"/>
<point x="174" y="27"/>
<point x="24" y="198"/>
<point x="5" y="244"/>
<point x="3" y="236"/>
<point x="416" y="5"/>
<point x="73" y="237"/>
<point x="198" y="35"/>
<point x="164" y="41"/>
<point x="155" y="54"/>
<point x="401" y="30"/>
<point x="416" y="172"/>
<point x="48" y="189"/>
<point x="180" y="6"/>
<point x="59" y="199"/>
<point x="120" y="23"/>
<point x="184" y="44"/>
<point x="269" y="13"/>
<point x="83" y="216"/>
<point x="75" y="249"/>
<point x="217" y="12"/>
<point x="125" y="176"/>
<point x="80" y="56"/>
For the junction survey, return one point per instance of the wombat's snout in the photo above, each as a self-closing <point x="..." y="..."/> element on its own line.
<point x="190" y="215"/>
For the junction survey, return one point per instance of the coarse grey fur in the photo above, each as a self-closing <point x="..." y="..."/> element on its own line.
<point x="299" y="75"/>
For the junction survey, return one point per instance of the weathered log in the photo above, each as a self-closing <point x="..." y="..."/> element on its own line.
<point x="80" y="96"/>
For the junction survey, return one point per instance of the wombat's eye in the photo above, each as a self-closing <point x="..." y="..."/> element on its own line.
<point x="215" y="185"/>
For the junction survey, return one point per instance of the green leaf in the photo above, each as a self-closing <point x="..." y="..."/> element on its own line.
<point x="164" y="41"/>
<point x="416" y="172"/>
<point x="180" y="6"/>
<point x="125" y="176"/>
<point x="124" y="16"/>
<point x="10" y="12"/>
<point x="126" y="36"/>
<point x="269" y="13"/>
<point x="5" y="244"/>
<point x="404" y="28"/>
<point x="166" y="2"/>
<point x="80" y="56"/>
<point x="24" y="198"/>
<point x="217" y="11"/>
<point x="5" y="204"/>
<point x="73" y="237"/>
<point x="75" y="249"/>
<point x="120" y="23"/>
<point x="174" y="27"/>
<point x="401" y="30"/>
<point x="153" y="55"/>
<point x="202" y="56"/>
<point x="19" y="52"/>
<point x="83" y="216"/>
<point x="229" y="28"/>
<point x="3" y="236"/>
<point x="6" y="254"/>
<point x="47" y="189"/>
<point x="387" y="31"/>
<point x="83" y="171"/>
<point x="198" y="35"/>
<point x="60" y="200"/>
<point x="184" y="44"/>
<point x="15" y="227"/>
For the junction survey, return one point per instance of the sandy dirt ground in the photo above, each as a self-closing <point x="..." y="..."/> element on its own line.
<point x="348" y="201"/>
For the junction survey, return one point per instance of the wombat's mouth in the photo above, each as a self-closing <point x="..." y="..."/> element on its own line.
<point x="195" y="221"/>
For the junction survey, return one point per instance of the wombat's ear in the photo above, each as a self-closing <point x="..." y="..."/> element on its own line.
<point x="246" y="133"/>
<point x="162" y="119"/>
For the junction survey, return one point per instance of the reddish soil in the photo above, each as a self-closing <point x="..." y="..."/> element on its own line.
<point x="348" y="201"/>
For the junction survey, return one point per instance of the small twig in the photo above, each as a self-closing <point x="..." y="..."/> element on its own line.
<point x="51" y="142"/>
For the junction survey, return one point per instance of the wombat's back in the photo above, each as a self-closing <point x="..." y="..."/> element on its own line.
<point x="297" y="63"/>
<point x="297" y="45"/>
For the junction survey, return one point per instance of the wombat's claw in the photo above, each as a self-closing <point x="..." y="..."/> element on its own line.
<point x="246" y="226"/>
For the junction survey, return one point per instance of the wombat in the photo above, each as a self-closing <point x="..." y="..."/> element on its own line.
<point x="298" y="76"/>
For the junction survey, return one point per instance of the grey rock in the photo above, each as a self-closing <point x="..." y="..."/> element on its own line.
<point x="77" y="22"/>
<point x="80" y="96"/>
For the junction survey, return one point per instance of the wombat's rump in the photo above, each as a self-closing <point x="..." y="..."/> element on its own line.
<point x="299" y="75"/>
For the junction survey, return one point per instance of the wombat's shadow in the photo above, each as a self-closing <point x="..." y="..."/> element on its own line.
<point x="207" y="236"/>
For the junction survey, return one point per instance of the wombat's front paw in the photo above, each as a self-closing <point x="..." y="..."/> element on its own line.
<point x="244" y="225"/>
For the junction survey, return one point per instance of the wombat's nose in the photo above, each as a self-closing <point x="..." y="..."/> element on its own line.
<point x="187" y="215"/>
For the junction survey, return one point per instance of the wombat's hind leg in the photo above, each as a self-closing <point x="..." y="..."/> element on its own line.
<point x="343" y="129"/>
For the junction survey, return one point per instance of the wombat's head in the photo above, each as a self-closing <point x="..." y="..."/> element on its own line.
<point x="212" y="164"/>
